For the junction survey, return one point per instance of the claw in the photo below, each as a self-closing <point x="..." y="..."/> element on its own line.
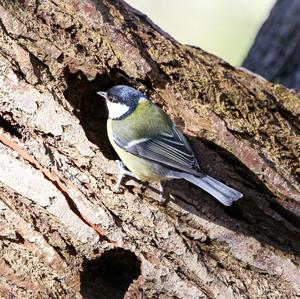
<point x="162" y="198"/>
<point x="123" y="171"/>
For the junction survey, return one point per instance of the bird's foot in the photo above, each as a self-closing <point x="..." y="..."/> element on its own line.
<point x="162" y="195"/>
<point x="123" y="172"/>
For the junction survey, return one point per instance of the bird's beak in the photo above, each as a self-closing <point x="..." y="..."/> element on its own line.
<point x="102" y="94"/>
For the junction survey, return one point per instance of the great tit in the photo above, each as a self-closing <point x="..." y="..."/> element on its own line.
<point x="150" y="145"/>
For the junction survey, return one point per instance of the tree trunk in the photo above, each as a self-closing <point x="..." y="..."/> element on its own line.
<point x="275" y="52"/>
<point x="65" y="234"/>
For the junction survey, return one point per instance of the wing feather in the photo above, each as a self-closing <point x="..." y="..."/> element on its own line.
<point x="168" y="148"/>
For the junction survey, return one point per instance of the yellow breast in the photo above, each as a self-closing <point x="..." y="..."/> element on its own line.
<point x="141" y="168"/>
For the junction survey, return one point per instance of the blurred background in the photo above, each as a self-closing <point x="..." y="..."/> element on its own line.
<point x="226" y="28"/>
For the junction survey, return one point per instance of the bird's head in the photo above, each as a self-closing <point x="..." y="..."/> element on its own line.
<point x="121" y="100"/>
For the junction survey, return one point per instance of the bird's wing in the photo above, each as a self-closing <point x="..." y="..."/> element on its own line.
<point x="167" y="148"/>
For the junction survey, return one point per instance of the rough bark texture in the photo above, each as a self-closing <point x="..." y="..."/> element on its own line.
<point x="275" y="52"/>
<point x="57" y="170"/>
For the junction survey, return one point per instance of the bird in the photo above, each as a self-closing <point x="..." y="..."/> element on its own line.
<point x="151" y="147"/>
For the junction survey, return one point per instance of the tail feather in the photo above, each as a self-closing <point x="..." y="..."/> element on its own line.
<point x="220" y="191"/>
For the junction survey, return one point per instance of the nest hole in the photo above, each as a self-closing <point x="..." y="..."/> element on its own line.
<point x="90" y="108"/>
<point x="110" y="275"/>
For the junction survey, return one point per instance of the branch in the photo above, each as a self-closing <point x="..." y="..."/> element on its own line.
<point x="54" y="57"/>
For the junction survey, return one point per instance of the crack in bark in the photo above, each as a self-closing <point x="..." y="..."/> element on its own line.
<point x="56" y="181"/>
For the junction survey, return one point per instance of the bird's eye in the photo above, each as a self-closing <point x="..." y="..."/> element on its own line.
<point x="113" y="100"/>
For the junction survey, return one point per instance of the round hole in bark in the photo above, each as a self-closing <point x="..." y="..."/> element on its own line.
<point x="90" y="108"/>
<point x="110" y="275"/>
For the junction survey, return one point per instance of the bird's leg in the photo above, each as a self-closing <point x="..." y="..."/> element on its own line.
<point x="123" y="171"/>
<point x="162" y="194"/>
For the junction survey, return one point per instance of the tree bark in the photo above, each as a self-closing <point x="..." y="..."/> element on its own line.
<point x="65" y="234"/>
<point x="275" y="52"/>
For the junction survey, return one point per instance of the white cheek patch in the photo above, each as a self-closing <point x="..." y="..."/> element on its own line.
<point x="116" y="110"/>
